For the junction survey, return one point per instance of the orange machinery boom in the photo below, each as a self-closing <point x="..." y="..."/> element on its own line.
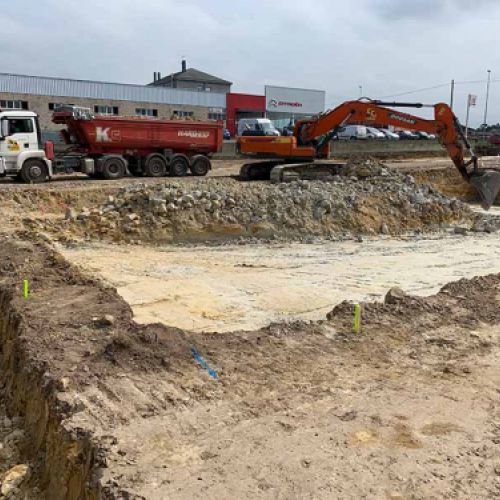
<point x="311" y="137"/>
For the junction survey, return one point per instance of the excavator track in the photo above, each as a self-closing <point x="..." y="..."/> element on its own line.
<point x="287" y="172"/>
<point x="258" y="171"/>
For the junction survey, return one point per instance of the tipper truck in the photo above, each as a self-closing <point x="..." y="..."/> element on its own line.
<point x="105" y="146"/>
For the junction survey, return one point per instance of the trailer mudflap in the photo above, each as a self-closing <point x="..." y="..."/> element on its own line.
<point x="88" y="166"/>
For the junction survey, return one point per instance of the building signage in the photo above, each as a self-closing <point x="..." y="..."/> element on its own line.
<point x="294" y="101"/>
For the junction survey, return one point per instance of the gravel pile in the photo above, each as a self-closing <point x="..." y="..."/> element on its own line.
<point x="367" y="198"/>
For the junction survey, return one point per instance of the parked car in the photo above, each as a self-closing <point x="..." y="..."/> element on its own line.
<point x="390" y="135"/>
<point x="227" y="135"/>
<point x="494" y="139"/>
<point x="406" y="134"/>
<point x="257" y="126"/>
<point x="376" y="133"/>
<point x="422" y="135"/>
<point x="352" y="132"/>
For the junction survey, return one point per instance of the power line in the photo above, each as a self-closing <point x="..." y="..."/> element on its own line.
<point x="416" y="91"/>
<point x="434" y="87"/>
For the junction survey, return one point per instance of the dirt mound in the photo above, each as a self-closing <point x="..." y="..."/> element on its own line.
<point x="368" y="198"/>
<point x="464" y="302"/>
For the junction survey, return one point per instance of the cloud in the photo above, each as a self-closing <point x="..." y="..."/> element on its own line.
<point x="387" y="46"/>
<point x="426" y="9"/>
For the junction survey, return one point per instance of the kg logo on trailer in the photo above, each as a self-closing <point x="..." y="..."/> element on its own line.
<point x="107" y="134"/>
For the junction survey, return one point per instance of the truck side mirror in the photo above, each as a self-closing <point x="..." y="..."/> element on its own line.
<point x="4" y="128"/>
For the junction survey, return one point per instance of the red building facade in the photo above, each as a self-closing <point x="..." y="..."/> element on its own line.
<point x="243" y="106"/>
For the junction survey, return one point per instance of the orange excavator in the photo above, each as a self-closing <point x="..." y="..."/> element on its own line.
<point x="300" y="155"/>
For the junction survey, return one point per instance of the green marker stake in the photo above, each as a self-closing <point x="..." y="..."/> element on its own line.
<point x="357" y="318"/>
<point x="26" y="289"/>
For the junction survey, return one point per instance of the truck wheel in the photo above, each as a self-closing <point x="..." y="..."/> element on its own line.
<point x="113" y="168"/>
<point x="200" y="166"/>
<point x="34" y="171"/>
<point x="179" y="166"/>
<point x="155" y="166"/>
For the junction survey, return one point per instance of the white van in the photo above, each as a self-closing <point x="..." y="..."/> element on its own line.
<point x="352" y="132"/>
<point x="256" y="126"/>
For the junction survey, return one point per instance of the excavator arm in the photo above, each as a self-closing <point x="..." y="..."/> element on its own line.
<point x="311" y="139"/>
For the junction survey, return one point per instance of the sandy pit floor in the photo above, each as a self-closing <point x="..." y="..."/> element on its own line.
<point x="246" y="287"/>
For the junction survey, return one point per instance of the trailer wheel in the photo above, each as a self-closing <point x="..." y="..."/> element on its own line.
<point x="200" y="165"/>
<point x="34" y="171"/>
<point x="113" y="168"/>
<point x="155" y="166"/>
<point x="179" y="165"/>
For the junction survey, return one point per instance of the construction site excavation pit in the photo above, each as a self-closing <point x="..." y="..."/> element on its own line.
<point x="243" y="287"/>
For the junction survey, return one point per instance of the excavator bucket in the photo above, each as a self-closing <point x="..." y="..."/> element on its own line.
<point x="487" y="184"/>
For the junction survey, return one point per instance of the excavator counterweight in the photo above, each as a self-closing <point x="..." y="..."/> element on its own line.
<point x="294" y="157"/>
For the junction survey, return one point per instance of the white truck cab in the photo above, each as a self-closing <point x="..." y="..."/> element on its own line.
<point x="21" y="149"/>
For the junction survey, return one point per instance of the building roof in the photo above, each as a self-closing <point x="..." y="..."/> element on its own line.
<point x="62" y="87"/>
<point x="191" y="75"/>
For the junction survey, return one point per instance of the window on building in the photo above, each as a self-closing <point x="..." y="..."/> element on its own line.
<point x="106" y="110"/>
<point x="216" y="116"/>
<point x="203" y="88"/>
<point x="183" y="114"/>
<point x="13" y="104"/>
<point x="146" y="112"/>
<point x="20" y="126"/>
<point x="54" y="106"/>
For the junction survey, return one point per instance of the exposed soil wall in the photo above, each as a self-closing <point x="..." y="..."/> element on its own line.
<point x="64" y="460"/>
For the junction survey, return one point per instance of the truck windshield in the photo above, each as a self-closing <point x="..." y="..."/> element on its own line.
<point x="20" y="126"/>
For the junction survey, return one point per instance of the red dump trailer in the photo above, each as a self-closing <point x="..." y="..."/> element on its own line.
<point x="108" y="146"/>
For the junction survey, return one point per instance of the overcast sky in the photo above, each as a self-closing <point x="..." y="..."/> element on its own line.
<point x="387" y="46"/>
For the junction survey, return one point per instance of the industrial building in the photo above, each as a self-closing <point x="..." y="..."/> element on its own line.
<point x="189" y="94"/>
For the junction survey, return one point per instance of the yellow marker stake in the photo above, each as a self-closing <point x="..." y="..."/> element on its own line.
<point x="26" y="289"/>
<point x="357" y="318"/>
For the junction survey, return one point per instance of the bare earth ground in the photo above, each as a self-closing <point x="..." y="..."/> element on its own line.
<point x="407" y="409"/>
<point x="234" y="287"/>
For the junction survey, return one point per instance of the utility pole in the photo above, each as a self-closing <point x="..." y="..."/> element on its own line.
<point x="452" y="93"/>
<point x="487" y="97"/>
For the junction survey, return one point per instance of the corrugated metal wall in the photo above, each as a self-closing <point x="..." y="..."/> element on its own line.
<point x="38" y="85"/>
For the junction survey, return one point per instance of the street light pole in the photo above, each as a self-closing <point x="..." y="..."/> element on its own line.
<point x="360" y="91"/>
<point x="487" y="97"/>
